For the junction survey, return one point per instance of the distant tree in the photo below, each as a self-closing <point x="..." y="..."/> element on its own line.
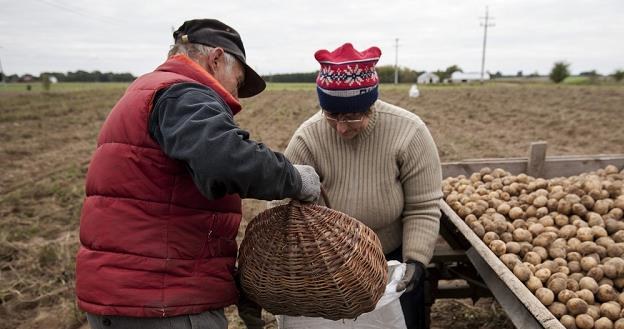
<point x="618" y="75"/>
<point x="591" y="73"/>
<point x="496" y="75"/>
<point x="559" y="72"/>
<point x="45" y="82"/>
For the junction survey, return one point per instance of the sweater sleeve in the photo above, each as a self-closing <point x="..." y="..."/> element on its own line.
<point x="421" y="178"/>
<point x="192" y="124"/>
<point x="298" y="152"/>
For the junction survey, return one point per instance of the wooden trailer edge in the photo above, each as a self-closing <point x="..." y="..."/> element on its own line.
<point x="522" y="307"/>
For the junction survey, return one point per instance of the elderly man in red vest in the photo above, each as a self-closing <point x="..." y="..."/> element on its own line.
<point x="164" y="189"/>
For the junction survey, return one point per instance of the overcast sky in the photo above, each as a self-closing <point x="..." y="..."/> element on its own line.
<point x="282" y="36"/>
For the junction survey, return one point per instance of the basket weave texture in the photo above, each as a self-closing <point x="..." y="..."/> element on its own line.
<point x="303" y="259"/>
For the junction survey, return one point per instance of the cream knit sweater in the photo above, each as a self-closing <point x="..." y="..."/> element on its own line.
<point x="388" y="177"/>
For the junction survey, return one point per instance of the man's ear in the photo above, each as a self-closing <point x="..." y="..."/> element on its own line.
<point x="217" y="57"/>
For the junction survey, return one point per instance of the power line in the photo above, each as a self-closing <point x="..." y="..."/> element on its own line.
<point x="85" y="14"/>
<point x="485" y="25"/>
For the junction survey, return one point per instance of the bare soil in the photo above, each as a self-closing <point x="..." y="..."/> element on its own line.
<point x="47" y="140"/>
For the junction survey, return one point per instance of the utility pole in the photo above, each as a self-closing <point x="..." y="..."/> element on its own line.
<point x="485" y="25"/>
<point x="396" y="61"/>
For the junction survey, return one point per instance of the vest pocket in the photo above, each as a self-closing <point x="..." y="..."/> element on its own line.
<point x="208" y="237"/>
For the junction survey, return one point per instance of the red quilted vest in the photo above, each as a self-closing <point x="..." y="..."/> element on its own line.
<point x="151" y="245"/>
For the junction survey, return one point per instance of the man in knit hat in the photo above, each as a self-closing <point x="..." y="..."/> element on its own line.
<point x="377" y="162"/>
<point x="163" y="206"/>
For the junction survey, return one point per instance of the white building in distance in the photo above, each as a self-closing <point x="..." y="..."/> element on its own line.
<point x="458" y="77"/>
<point x="427" y="78"/>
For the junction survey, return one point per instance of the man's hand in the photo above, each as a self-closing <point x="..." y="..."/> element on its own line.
<point x="413" y="273"/>
<point x="310" y="183"/>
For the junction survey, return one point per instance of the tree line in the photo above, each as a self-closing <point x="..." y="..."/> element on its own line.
<point x="77" y="76"/>
<point x="384" y="72"/>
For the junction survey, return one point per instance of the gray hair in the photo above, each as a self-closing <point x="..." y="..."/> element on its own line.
<point x="193" y="50"/>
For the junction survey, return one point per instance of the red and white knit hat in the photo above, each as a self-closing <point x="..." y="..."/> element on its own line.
<point x="347" y="81"/>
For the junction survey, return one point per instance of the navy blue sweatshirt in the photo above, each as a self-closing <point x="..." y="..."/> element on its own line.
<point x="193" y="124"/>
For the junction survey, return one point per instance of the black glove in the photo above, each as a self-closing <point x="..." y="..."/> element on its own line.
<point x="413" y="273"/>
<point x="248" y="310"/>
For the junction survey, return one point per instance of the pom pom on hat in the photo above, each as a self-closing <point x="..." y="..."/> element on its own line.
<point x="347" y="81"/>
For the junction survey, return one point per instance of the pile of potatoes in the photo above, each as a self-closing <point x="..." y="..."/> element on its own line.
<point x="562" y="237"/>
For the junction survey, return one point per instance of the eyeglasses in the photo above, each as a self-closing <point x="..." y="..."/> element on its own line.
<point x="350" y="118"/>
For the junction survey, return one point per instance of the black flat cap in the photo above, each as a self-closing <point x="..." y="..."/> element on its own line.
<point x="213" y="33"/>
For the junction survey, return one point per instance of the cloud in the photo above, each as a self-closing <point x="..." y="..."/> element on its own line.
<point x="134" y="36"/>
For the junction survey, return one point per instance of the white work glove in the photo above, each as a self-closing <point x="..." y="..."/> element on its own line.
<point x="310" y="183"/>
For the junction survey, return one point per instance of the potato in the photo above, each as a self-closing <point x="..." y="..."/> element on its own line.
<point x="536" y="229"/>
<point x="521" y="235"/>
<point x="564" y="207"/>
<point x="560" y="261"/>
<point x="557" y="285"/>
<point x="568" y="231"/>
<point x="606" y="293"/>
<point x="619" y="324"/>
<point x="584" y="321"/>
<point x="512" y="247"/>
<point x="589" y="284"/>
<point x="506" y="236"/>
<point x="558" y="309"/>
<point x="588" y="262"/>
<point x="498" y="247"/>
<point x="568" y="321"/>
<point x="565" y="295"/>
<point x="489" y="237"/>
<point x="478" y="229"/>
<point x="594" y="219"/>
<point x="576" y="306"/>
<point x="579" y="209"/>
<point x="587" y="201"/>
<point x="573" y="256"/>
<point x="615" y="249"/>
<point x="541" y="252"/>
<point x="584" y="234"/>
<point x="619" y="202"/>
<point x="594" y="311"/>
<point x="516" y="212"/>
<point x="574" y="266"/>
<point x="522" y="272"/>
<point x="603" y="323"/>
<point x="533" y="283"/>
<point x="610" y="310"/>
<point x="599" y="232"/>
<point x="620" y="299"/>
<point x="510" y="260"/>
<point x="561" y="220"/>
<point x="573" y="244"/>
<point x="586" y="295"/>
<point x="543" y="274"/>
<point x="587" y="247"/>
<point x="555" y="252"/>
<point x="545" y="295"/>
<point x="601" y="207"/>
<point x="596" y="273"/>
<point x="544" y="240"/>
<point x="503" y="208"/>
<point x="546" y="221"/>
<point x="605" y="281"/>
<point x="532" y="258"/>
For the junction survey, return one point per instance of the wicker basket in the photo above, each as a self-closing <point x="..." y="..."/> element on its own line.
<point x="303" y="259"/>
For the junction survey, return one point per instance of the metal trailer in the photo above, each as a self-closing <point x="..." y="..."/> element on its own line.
<point x="466" y="257"/>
